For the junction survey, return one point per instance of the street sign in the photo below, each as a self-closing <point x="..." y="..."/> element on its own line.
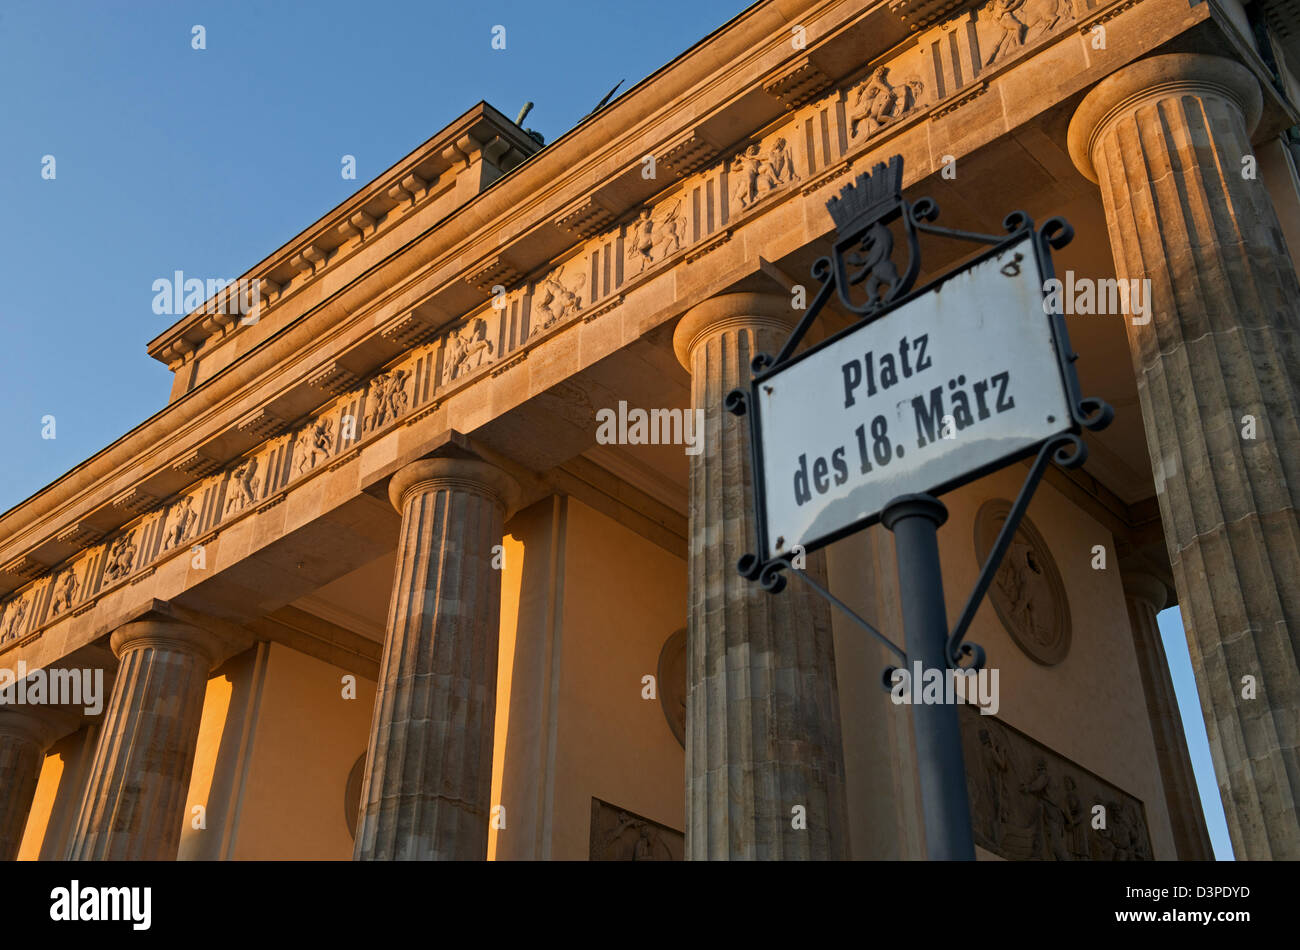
<point x="952" y="383"/>
<point x="930" y="389"/>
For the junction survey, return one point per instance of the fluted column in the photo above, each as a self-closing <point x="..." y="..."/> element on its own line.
<point x="428" y="780"/>
<point x="134" y="804"/>
<point x="25" y="733"/>
<point x="762" y="712"/>
<point x="1218" y="378"/>
<point x="1145" y="596"/>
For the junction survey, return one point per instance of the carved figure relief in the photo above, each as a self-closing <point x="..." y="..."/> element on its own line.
<point x="556" y="300"/>
<point x="620" y="835"/>
<point x="673" y="234"/>
<point x="13" y="620"/>
<point x="1049" y="819"/>
<point x="642" y="242"/>
<point x="242" y="492"/>
<point x="1015" y="24"/>
<point x="671" y="678"/>
<point x="1027" y="592"/>
<point x="651" y="241"/>
<point x="996" y="767"/>
<point x="65" y="593"/>
<point x="758" y="173"/>
<point x="387" y="398"/>
<point x="182" y="521"/>
<point x="878" y="102"/>
<point x="121" y="557"/>
<point x="467" y="349"/>
<point x="314" y="444"/>
<point x="1030" y="803"/>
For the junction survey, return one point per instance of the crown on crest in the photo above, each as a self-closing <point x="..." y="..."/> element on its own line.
<point x="868" y="196"/>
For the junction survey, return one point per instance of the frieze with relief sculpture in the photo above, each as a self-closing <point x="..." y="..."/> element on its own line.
<point x="65" y="593"/>
<point x="557" y="298"/>
<point x="121" y="557"/>
<point x="878" y="102"/>
<point x="387" y="398"/>
<point x="182" y="519"/>
<point x="620" y="835"/>
<point x="315" y="444"/>
<point x="242" y="492"/>
<point x="467" y="349"/>
<point x="1009" y="26"/>
<point x="651" y="241"/>
<point x="758" y="173"/>
<point x="13" y="620"/>
<point x="1030" y="803"/>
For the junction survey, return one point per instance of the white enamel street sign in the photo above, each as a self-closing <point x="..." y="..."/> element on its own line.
<point x="948" y="385"/>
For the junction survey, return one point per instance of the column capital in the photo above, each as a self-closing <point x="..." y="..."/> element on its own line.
<point x="1172" y="74"/>
<point x="1144" y="587"/>
<point x="719" y="313"/>
<point x="458" y="474"/>
<point x="166" y="635"/>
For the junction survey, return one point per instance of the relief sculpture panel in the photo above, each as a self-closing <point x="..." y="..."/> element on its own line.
<point x="1027" y="591"/>
<point x="11" y="628"/>
<point x="1008" y="26"/>
<point x="556" y="298"/>
<point x="468" y="348"/>
<point x="759" y="171"/>
<point x="1031" y="803"/>
<point x="880" y="101"/>
<point x="619" y="835"/>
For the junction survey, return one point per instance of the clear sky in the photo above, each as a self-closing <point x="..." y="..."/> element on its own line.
<point x="170" y="158"/>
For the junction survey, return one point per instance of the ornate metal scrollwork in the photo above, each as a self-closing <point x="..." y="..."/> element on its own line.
<point x="862" y="271"/>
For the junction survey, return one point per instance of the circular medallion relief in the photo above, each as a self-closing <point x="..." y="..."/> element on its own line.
<point x="352" y="795"/>
<point x="1027" y="591"/>
<point x="671" y="678"/>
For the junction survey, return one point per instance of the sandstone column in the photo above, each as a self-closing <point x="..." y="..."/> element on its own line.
<point x="762" y="711"/>
<point x="25" y="733"/>
<point x="1145" y="596"/>
<point x="134" y="804"/>
<point x="429" y="765"/>
<point x="1165" y="138"/>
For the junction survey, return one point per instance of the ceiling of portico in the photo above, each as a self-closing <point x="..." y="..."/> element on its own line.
<point x="357" y="601"/>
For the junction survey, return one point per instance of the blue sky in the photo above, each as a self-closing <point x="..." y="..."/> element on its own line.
<point x="169" y="158"/>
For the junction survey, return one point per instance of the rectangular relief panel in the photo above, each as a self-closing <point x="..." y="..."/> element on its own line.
<point x="1029" y="803"/>
<point x="620" y="835"/>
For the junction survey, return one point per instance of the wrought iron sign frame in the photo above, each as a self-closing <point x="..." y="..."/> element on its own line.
<point x="861" y="256"/>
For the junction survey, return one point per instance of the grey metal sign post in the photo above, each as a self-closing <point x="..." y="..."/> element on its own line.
<point x="945" y="805"/>
<point x="929" y="389"/>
